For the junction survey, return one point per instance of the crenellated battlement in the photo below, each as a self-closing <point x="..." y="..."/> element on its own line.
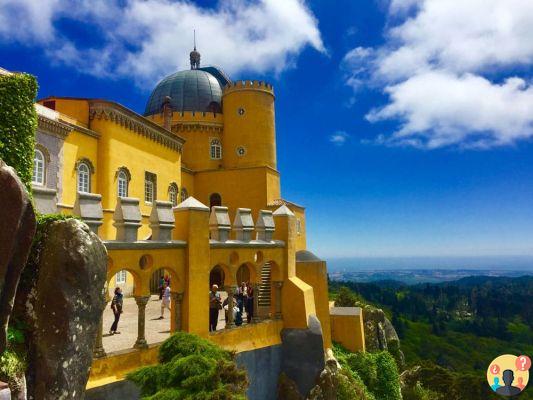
<point x="248" y="85"/>
<point x="197" y="116"/>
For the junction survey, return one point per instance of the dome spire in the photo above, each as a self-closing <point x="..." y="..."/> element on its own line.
<point x="195" y="55"/>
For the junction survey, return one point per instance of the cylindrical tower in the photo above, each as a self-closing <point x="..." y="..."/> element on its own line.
<point x="249" y="137"/>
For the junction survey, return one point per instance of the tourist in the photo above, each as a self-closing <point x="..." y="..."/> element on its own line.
<point x="249" y="303"/>
<point x="165" y="301"/>
<point x="242" y="295"/>
<point x="215" y="304"/>
<point x="161" y="288"/>
<point x="116" y="306"/>
<point x="237" y="315"/>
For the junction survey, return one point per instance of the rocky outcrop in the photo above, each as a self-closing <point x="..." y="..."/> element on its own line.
<point x="17" y="228"/>
<point x="303" y="354"/>
<point x="61" y="302"/>
<point x="380" y="333"/>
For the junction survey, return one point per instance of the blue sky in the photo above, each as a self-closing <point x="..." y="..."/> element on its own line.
<point x="403" y="126"/>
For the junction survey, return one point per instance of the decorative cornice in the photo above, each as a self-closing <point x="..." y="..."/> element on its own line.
<point x="52" y="127"/>
<point x="101" y="109"/>
<point x="197" y="126"/>
<point x="83" y="130"/>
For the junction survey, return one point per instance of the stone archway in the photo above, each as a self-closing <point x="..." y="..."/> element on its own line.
<point x="217" y="276"/>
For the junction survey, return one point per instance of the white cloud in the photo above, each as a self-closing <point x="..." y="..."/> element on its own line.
<point x="339" y="138"/>
<point x="438" y="68"/>
<point x="147" y="39"/>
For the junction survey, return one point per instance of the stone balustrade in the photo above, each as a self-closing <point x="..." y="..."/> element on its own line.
<point x="127" y="219"/>
<point x="219" y="224"/>
<point x="162" y="221"/>
<point x="265" y="226"/>
<point x="243" y="225"/>
<point x="88" y="207"/>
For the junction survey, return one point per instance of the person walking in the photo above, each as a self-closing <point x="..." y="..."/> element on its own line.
<point x="249" y="303"/>
<point x="215" y="304"/>
<point x="165" y="301"/>
<point x="116" y="306"/>
<point x="161" y="287"/>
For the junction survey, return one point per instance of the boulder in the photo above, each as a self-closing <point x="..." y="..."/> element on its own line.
<point x="336" y="383"/>
<point x="303" y="354"/>
<point x="63" y="300"/>
<point x="17" y="228"/>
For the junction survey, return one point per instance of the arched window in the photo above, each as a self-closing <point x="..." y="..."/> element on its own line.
<point x="84" y="178"/>
<point x="150" y="187"/>
<point x="216" y="149"/>
<point x="215" y="200"/>
<point x="38" y="168"/>
<point x="173" y="194"/>
<point x="183" y="194"/>
<point x="122" y="184"/>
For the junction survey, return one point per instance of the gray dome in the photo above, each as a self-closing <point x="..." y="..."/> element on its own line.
<point x="189" y="90"/>
<point x="306" y="256"/>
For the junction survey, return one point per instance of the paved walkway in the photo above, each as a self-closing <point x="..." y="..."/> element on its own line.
<point x="156" y="330"/>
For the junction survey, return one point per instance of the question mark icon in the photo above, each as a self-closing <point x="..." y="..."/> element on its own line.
<point x="495" y="369"/>
<point x="523" y="363"/>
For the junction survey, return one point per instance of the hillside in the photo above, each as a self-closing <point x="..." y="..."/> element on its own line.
<point x="454" y="330"/>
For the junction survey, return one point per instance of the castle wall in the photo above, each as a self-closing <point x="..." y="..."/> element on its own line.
<point x="347" y="327"/>
<point x="77" y="146"/>
<point x="119" y="147"/>
<point x="315" y="275"/>
<point x="249" y="123"/>
<point x="238" y="187"/>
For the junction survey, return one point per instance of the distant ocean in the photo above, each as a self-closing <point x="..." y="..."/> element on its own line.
<point x="412" y="270"/>
<point x="502" y="263"/>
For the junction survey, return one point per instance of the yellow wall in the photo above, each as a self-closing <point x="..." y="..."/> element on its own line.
<point x="172" y="260"/>
<point x="301" y="243"/>
<point x="348" y="330"/>
<point x="238" y="187"/>
<point x="77" y="146"/>
<point x="193" y="225"/>
<point x="121" y="147"/>
<point x="255" y="129"/>
<point x="115" y="366"/>
<point x="187" y="182"/>
<point x="249" y="337"/>
<point x="74" y="108"/>
<point x="315" y="275"/>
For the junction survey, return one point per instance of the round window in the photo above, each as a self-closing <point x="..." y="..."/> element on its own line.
<point x="241" y="151"/>
<point x="241" y="111"/>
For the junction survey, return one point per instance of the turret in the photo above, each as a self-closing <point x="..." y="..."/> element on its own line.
<point x="249" y="137"/>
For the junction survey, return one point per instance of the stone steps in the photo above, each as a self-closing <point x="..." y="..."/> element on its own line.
<point x="264" y="295"/>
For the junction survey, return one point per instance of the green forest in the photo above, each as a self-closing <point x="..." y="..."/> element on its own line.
<point x="450" y="332"/>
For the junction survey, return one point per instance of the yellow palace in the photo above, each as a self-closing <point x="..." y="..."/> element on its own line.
<point x="190" y="189"/>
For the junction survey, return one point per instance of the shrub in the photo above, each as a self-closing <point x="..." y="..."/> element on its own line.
<point x="375" y="373"/>
<point x="18" y="121"/>
<point x="183" y="344"/>
<point x="191" y="368"/>
<point x="388" y="379"/>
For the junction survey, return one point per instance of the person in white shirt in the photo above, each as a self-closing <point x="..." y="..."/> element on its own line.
<point x="165" y="301"/>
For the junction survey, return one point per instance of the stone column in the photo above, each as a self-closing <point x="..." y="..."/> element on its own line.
<point x="278" y="285"/>
<point x="141" y="301"/>
<point x="256" y="317"/>
<point x="231" y="292"/>
<point x="177" y="298"/>
<point x="98" y="351"/>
